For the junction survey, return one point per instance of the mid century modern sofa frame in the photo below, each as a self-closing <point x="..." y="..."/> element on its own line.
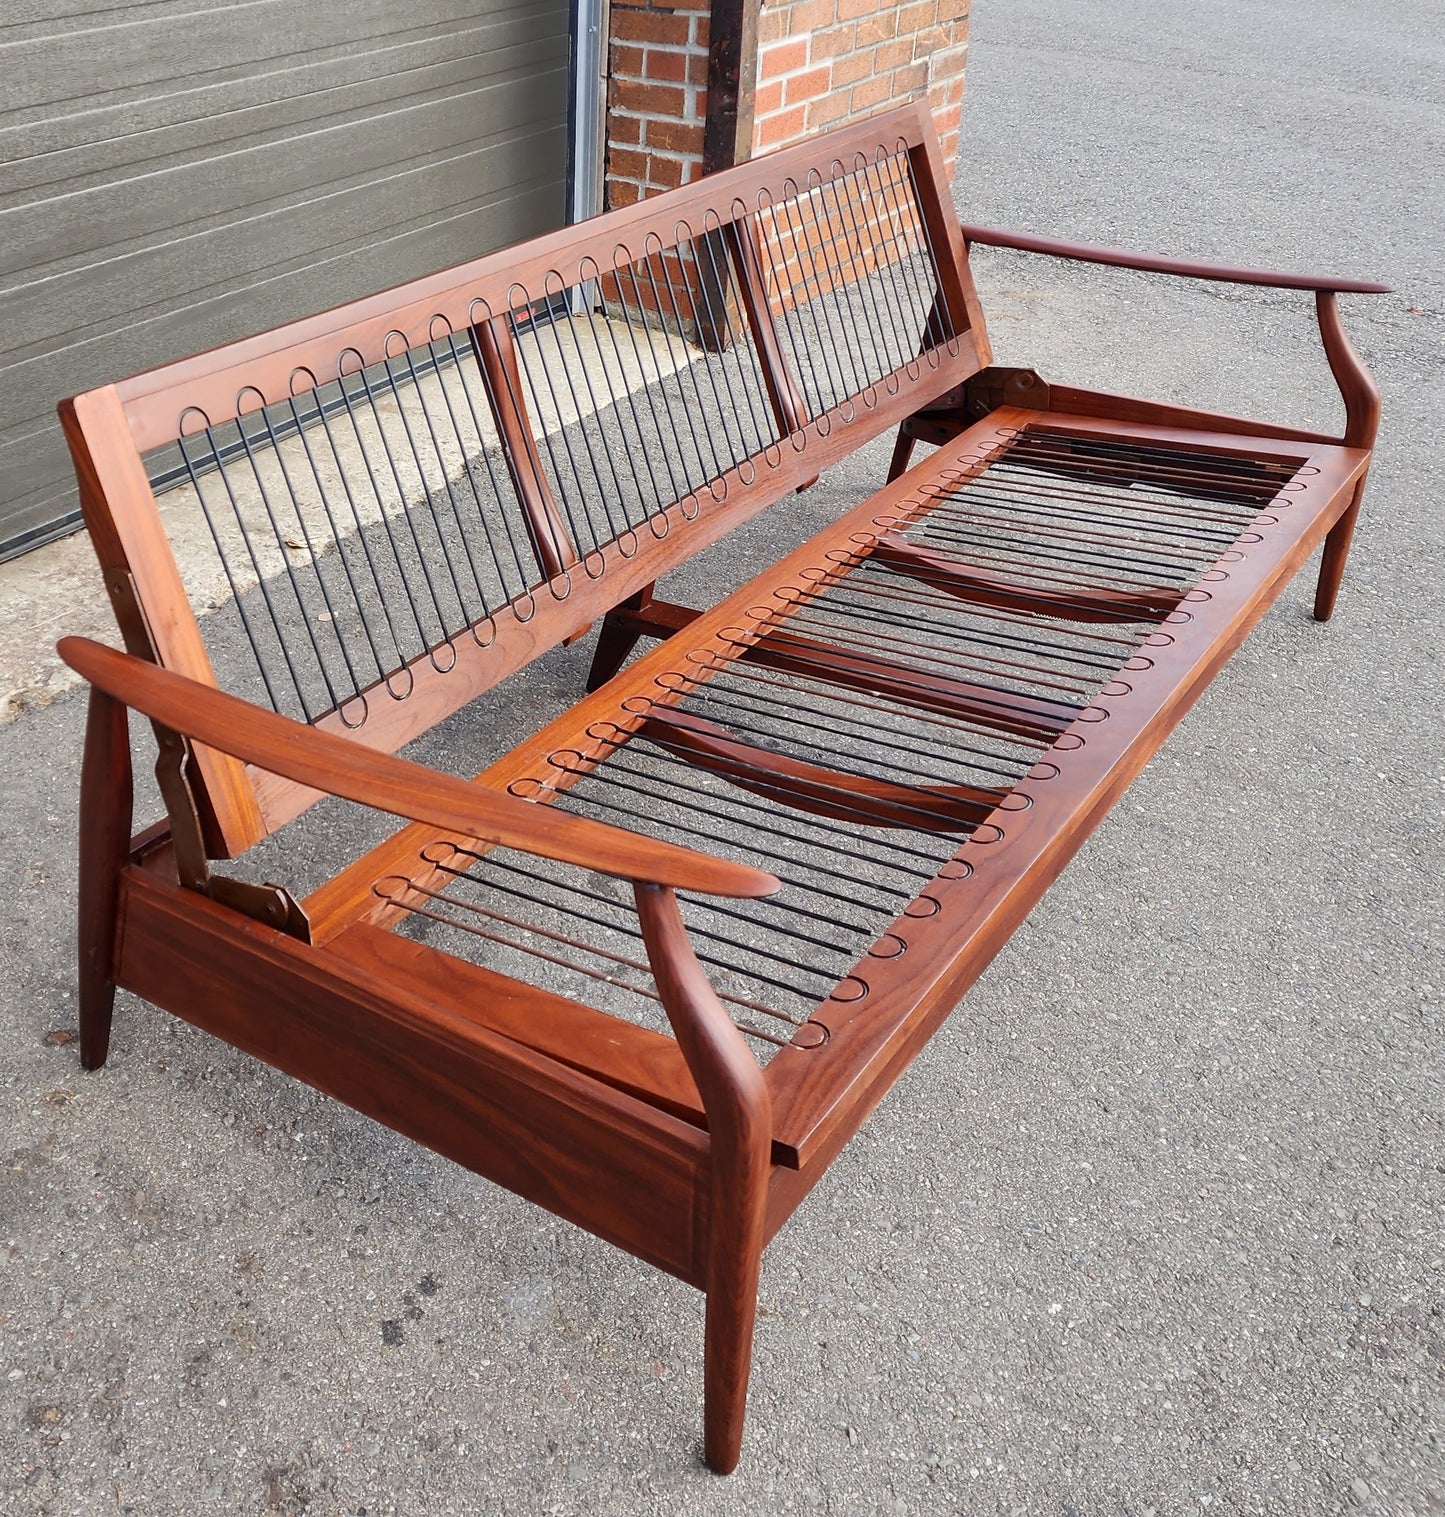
<point x="833" y="795"/>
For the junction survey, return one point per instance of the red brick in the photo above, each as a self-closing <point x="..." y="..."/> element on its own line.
<point x="627" y="60"/>
<point x="891" y="54"/>
<point x="854" y="67"/>
<point x="811" y="16"/>
<point x="674" y="136"/>
<point x="664" y="64"/>
<point x="769" y="98"/>
<point x="626" y="131"/>
<point x="834" y="42"/>
<point x="947" y="119"/>
<point x="783" y="127"/>
<point x="802" y="87"/>
<point x="872" y="92"/>
<point x="922" y="13"/>
<point x="650" y="26"/>
<point x="950" y="89"/>
<point x="877" y="28"/>
<point x="949" y="61"/>
<point x="772" y="24"/>
<point x="697" y="68"/>
<point x="851" y="10"/>
<point x="652" y="99"/>
<point x="783" y="58"/>
<point x="931" y="39"/>
<point x="832" y="107"/>
<point x="666" y="172"/>
<point x="627" y="163"/>
<point x="909" y="79"/>
<point x="622" y="192"/>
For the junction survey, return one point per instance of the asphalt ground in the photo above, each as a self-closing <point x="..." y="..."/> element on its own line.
<point x="1154" y="1225"/>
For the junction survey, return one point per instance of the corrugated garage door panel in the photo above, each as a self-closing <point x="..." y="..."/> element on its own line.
<point x="173" y="175"/>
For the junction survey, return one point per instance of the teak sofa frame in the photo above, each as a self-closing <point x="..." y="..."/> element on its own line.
<point x="914" y="719"/>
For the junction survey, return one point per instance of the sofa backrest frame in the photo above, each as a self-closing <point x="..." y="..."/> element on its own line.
<point x="767" y="258"/>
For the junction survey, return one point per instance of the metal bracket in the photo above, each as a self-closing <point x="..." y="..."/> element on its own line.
<point x="270" y="904"/>
<point x="1000" y="386"/>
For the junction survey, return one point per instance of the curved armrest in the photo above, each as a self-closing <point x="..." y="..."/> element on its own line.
<point x="1122" y="258"/>
<point x="343" y="768"/>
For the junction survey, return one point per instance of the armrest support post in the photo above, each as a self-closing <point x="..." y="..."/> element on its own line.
<point x="1356" y="384"/>
<point x="1362" y="421"/>
<point x="739" y="1118"/>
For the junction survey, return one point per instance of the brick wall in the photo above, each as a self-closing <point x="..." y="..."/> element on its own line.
<point x="656" y="96"/>
<point x="819" y="62"/>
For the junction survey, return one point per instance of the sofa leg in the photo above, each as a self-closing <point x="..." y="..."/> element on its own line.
<point x="1332" y="563"/>
<point x="614" y="641"/>
<point x="902" y="452"/>
<point x="740" y="1124"/>
<point x="732" y="1307"/>
<point x="105" y="822"/>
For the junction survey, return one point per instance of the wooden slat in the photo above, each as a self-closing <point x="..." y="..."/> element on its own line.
<point x="950" y="252"/>
<point x="981" y="588"/>
<point x="1027" y="716"/>
<point x="789" y="410"/>
<point x="811" y="787"/>
<point x="497" y="354"/>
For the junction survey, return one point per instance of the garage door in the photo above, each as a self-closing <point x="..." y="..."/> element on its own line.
<point x="177" y="173"/>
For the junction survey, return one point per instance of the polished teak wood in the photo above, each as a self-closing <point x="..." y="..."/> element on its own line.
<point x="1051" y="589"/>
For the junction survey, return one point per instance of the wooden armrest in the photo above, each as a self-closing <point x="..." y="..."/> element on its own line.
<point x="344" y="768"/>
<point x="1123" y="258"/>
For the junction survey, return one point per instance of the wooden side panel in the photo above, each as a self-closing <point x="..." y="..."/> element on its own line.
<point x="633" y="1059"/>
<point x="625" y="1171"/>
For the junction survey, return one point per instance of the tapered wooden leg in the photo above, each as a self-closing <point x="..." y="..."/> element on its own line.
<point x="105" y="823"/>
<point x="739" y="1124"/>
<point x="732" y="1308"/>
<point x="1332" y="563"/>
<point x="615" y="642"/>
<point x="902" y="452"/>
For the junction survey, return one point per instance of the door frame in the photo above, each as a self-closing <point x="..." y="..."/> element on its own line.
<point x="587" y="101"/>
